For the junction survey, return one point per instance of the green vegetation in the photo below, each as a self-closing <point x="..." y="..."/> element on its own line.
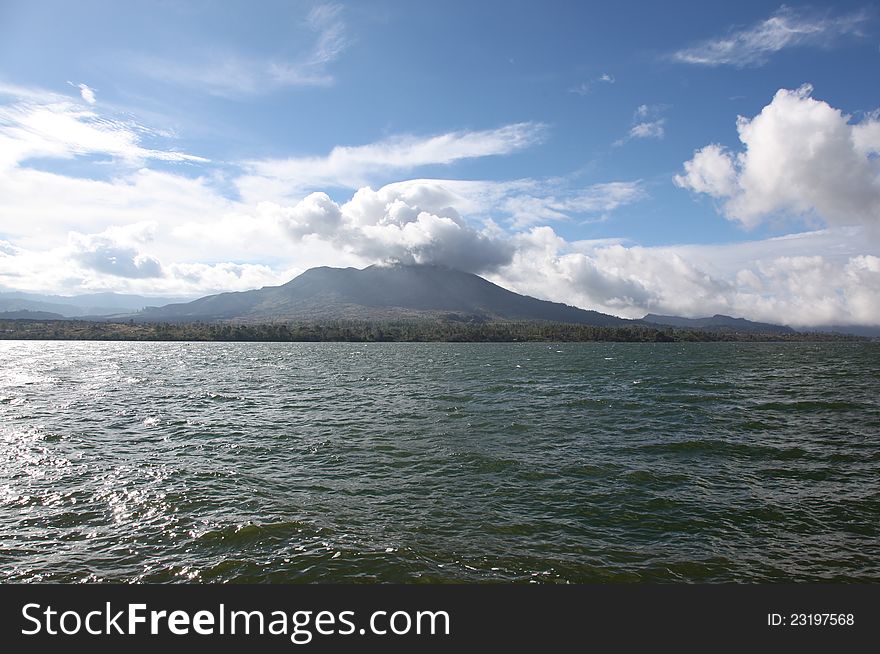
<point x="375" y="331"/>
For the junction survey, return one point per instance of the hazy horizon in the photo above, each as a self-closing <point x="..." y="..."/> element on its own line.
<point x="630" y="159"/>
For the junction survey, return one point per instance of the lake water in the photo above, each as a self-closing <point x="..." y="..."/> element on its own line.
<point x="340" y="462"/>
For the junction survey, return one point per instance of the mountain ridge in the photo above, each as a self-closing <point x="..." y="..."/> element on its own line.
<point x="378" y="293"/>
<point x="76" y="306"/>
<point x="718" y="322"/>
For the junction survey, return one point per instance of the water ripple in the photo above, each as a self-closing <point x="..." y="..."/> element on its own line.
<point x="530" y="463"/>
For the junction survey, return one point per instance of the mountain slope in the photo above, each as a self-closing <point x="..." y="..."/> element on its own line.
<point x="718" y="322"/>
<point x="377" y="293"/>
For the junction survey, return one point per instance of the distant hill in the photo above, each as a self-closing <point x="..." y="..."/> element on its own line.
<point x="25" y="314"/>
<point x="74" y="306"/>
<point x="856" y="330"/>
<point x="377" y="293"/>
<point x="718" y="322"/>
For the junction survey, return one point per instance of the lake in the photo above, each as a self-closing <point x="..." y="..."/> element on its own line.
<point x="440" y="462"/>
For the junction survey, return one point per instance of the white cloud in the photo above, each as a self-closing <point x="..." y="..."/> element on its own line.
<point x="199" y="278"/>
<point x="233" y="74"/>
<point x="648" y="130"/>
<point x="583" y="88"/>
<point x="326" y="21"/>
<point x="628" y="281"/>
<point x="103" y="253"/>
<point x="87" y="93"/>
<point x="523" y="202"/>
<point x="596" y="200"/>
<point x="64" y="129"/>
<point x="801" y="157"/>
<point x="785" y="28"/>
<point x="200" y="244"/>
<point x="817" y="278"/>
<point x="355" y="166"/>
<point x="711" y="171"/>
<point x="101" y="262"/>
<point x="411" y="223"/>
<point x="151" y="232"/>
<point x="647" y="123"/>
<point x="41" y="207"/>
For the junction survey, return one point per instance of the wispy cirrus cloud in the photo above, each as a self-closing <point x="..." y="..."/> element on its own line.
<point x="232" y="74"/>
<point x="36" y="123"/>
<point x="785" y="28"/>
<point x="355" y="166"/>
<point x="584" y="88"/>
<point x="653" y="129"/>
<point x="593" y="202"/>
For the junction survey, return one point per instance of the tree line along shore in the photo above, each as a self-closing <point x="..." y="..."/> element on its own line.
<point x="375" y="332"/>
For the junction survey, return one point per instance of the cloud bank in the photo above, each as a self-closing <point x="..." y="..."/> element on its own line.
<point x="810" y="279"/>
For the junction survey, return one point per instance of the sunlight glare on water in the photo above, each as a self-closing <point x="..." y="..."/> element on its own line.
<point x="288" y="462"/>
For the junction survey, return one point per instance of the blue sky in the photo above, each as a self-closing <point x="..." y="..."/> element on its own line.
<point x="589" y="153"/>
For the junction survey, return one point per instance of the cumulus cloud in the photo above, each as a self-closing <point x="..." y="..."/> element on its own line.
<point x="410" y="224"/>
<point x="316" y="215"/>
<point x="711" y="171"/>
<point x="801" y="157"/>
<point x="421" y="221"/>
<point x="785" y="28"/>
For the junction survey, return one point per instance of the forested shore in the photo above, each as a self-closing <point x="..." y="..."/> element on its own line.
<point x="374" y="332"/>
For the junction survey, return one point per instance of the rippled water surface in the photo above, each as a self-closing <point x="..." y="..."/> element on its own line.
<point x="290" y="462"/>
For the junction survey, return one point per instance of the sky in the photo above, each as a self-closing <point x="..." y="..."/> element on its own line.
<point x="629" y="157"/>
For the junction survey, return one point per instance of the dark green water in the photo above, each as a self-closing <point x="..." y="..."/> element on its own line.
<point x="162" y="462"/>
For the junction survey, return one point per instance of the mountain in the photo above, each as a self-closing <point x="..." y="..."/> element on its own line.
<point x="377" y="293"/>
<point x="74" y="306"/>
<point x="718" y="322"/>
